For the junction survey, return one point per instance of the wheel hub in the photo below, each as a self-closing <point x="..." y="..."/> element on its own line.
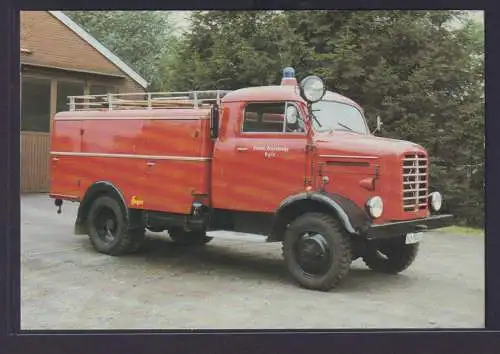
<point x="110" y="224"/>
<point x="106" y="225"/>
<point x="313" y="253"/>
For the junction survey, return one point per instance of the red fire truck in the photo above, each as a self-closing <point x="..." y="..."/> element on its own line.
<point x="293" y="162"/>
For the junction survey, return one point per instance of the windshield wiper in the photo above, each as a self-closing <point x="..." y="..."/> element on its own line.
<point x="345" y="126"/>
<point x="314" y="116"/>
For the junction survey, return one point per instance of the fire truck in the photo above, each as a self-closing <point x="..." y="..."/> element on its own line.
<point x="295" y="163"/>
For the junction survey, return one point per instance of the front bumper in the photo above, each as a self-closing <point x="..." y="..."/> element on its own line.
<point x="398" y="228"/>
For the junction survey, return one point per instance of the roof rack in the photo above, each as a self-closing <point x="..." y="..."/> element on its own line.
<point x="150" y="100"/>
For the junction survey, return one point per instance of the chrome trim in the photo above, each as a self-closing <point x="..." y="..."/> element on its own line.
<point x="417" y="159"/>
<point x="131" y="156"/>
<point x="78" y="117"/>
<point x="410" y="174"/>
<point x="422" y="181"/>
<point x="252" y="134"/>
<point x="63" y="196"/>
<point x="415" y="181"/>
<point x="350" y="157"/>
<point x="415" y="190"/>
<point x="415" y="197"/>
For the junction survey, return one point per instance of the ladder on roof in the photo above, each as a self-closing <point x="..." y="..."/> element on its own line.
<point x="149" y="100"/>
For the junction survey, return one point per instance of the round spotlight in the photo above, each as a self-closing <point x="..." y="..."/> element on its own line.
<point x="312" y="89"/>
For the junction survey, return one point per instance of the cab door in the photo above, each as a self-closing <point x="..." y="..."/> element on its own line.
<point x="264" y="162"/>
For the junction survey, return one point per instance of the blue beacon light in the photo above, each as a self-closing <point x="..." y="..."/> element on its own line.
<point x="288" y="76"/>
<point x="288" y="73"/>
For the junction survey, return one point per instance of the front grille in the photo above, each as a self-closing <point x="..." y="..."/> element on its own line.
<point x="415" y="182"/>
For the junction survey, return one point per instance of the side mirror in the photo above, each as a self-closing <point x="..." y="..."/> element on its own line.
<point x="291" y="115"/>
<point x="379" y="125"/>
<point x="214" y="116"/>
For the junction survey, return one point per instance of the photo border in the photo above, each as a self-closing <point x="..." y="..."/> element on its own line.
<point x="352" y="341"/>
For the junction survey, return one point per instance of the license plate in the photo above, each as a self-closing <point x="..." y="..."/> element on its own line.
<point x="414" y="238"/>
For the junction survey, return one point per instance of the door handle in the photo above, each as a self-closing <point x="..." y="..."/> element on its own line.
<point x="150" y="163"/>
<point x="241" y="148"/>
<point x="55" y="159"/>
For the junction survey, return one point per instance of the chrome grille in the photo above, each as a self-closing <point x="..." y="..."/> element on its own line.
<point x="415" y="182"/>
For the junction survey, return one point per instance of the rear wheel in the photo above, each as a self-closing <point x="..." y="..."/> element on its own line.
<point x="109" y="230"/>
<point x="188" y="238"/>
<point x="391" y="256"/>
<point x="317" y="251"/>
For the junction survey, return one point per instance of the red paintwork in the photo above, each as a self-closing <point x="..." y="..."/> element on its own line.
<point x="289" y="81"/>
<point x="165" y="186"/>
<point x="236" y="180"/>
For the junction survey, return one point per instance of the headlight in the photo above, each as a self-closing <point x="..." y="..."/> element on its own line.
<point x="312" y="89"/>
<point x="375" y="207"/>
<point x="435" y="201"/>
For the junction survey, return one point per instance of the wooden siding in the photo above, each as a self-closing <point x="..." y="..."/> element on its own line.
<point x="35" y="172"/>
<point x="129" y="85"/>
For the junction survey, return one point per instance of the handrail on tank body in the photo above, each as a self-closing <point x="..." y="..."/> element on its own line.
<point x="149" y="100"/>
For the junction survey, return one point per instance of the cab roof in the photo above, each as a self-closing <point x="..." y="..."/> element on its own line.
<point x="279" y="93"/>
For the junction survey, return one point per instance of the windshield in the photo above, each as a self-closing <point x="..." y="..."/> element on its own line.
<point x="333" y="115"/>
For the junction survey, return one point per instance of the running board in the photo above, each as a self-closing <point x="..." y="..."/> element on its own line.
<point x="236" y="236"/>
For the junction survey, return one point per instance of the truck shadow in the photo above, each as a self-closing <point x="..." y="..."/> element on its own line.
<point x="249" y="261"/>
<point x="231" y="259"/>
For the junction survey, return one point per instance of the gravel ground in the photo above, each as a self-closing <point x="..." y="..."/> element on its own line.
<point x="231" y="284"/>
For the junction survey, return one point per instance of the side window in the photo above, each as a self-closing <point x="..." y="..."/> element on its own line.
<point x="264" y="117"/>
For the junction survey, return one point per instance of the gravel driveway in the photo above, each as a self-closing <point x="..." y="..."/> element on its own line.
<point x="231" y="284"/>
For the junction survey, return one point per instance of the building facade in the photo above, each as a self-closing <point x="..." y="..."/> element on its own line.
<point x="59" y="59"/>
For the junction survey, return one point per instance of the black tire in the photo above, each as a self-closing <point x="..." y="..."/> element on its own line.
<point x="336" y="256"/>
<point x="109" y="230"/>
<point x="391" y="256"/>
<point x="188" y="238"/>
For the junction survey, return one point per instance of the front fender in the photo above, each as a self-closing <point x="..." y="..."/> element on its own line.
<point x="354" y="219"/>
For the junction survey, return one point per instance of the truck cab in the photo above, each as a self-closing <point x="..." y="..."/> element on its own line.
<point x="294" y="162"/>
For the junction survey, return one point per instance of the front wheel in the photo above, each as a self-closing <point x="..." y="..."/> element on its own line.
<point x="317" y="251"/>
<point x="391" y="256"/>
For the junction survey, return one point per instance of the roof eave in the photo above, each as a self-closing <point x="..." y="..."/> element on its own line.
<point x="72" y="25"/>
